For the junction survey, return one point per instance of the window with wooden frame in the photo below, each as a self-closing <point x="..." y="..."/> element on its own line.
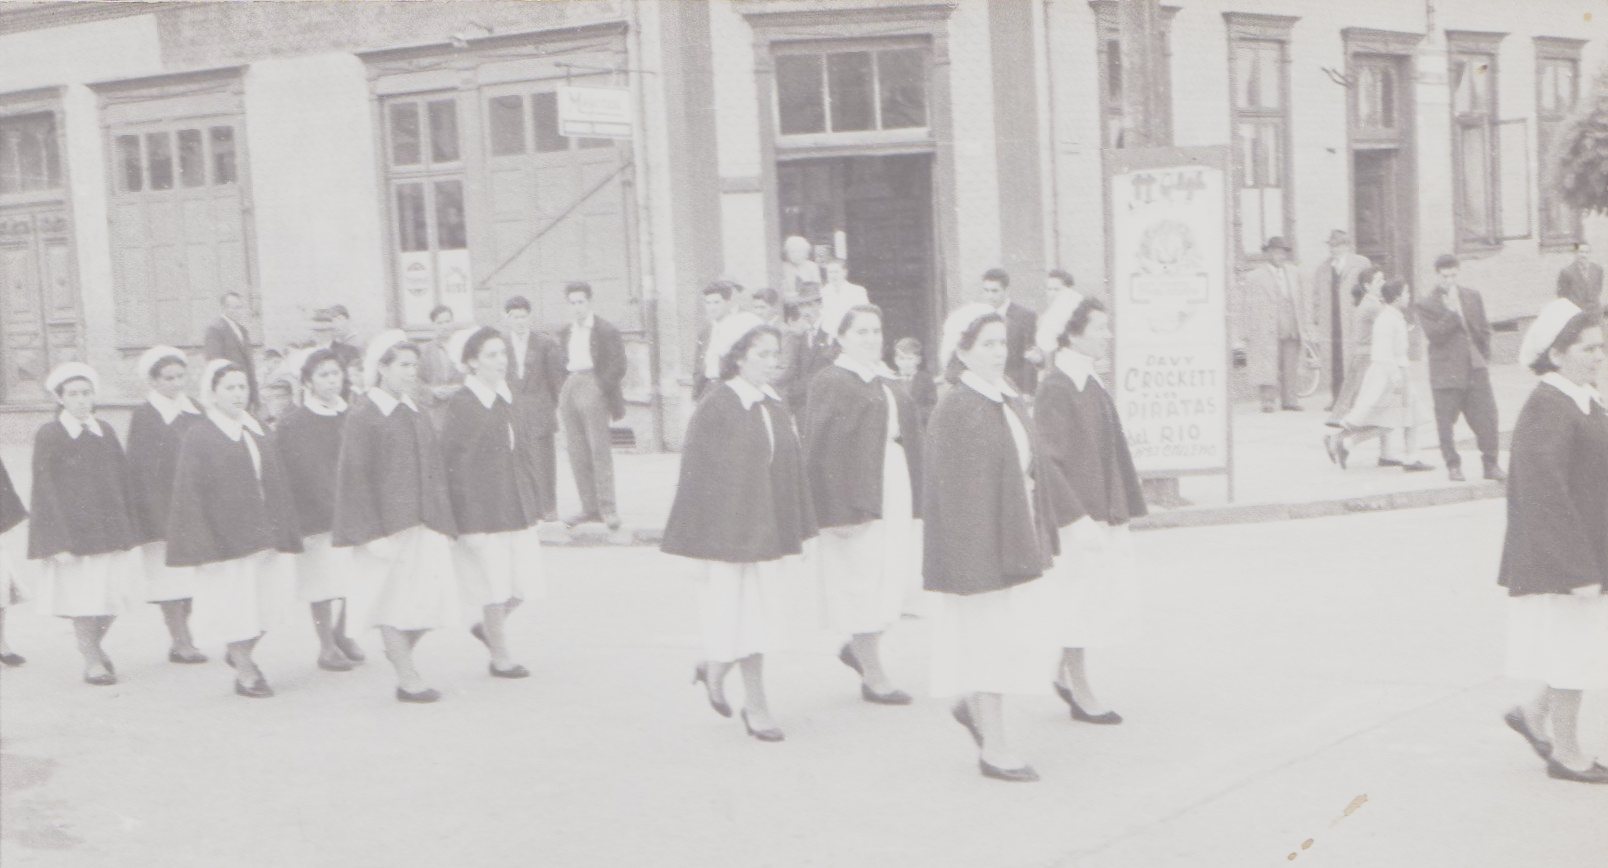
<point x="1259" y="79"/>
<point x="1490" y="194"/>
<point x="1114" y="121"/>
<point x="424" y="167"/>
<point x="1557" y="93"/>
<point x="30" y="158"/>
<point x="860" y="91"/>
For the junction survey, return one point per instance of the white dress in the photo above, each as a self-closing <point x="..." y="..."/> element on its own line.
<point x="405" y="581"/>
<point x="998" y="641"/>
<point x="1559" y="639"/>
<point x="495" y="568"/>
<point x="72" y="586"/>
<point x="13" y="588"/>
<point x="323" y="572"/>
<point x="866" y="570"/>
<point x="163" y="583"/>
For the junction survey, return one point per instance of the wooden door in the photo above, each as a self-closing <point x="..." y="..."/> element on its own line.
<point x="890" y="242"/>
<point x="39" y="319"/>
<point x="1375" y="195"/>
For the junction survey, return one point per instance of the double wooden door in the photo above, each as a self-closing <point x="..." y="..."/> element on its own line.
<point x="39" y="317"/>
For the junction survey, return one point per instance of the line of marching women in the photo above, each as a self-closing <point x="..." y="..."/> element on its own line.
<point x="1014" y="522"/>
<point x="358" y="511"/>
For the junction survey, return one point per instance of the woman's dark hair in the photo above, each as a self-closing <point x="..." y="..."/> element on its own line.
<point x="160" y="365"/>
<point x="1566" y="339"/>
<point x="723" y="288"/>
<point x="768" y="296"/>
<point x="390" y="355"/>
<point x="516" y="302"/>
<point x="438" y="310"/>
<point x="968" y="339"/>
<point x="1392" y="290"/>
<point x="579" y="286"/>
<point x="1364" y="278"/>
<point x="850" y="314"/>
<point x="739" y="350"/>
<point x="223" y="371"/>
<point x="317" y="358"/>
<point x="477" y="341"/>
<point x="1079" y="323"/>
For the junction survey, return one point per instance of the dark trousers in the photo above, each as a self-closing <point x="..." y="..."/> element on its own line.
<point x="1477" y="405"/>
<point x="585" y="415"/>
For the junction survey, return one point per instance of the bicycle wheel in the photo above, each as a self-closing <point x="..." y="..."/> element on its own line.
<point x="1311" y="373"/>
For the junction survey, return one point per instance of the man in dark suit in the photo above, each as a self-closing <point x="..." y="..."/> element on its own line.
<point x="805" y="351"/>
<point x="594" y="362"/>
<point x="343" y="338"/>
<point x="1021" y="325"/>
<point x="535" y="373"/>
<point x="1453" y="319"/>
<point x="1581" y="281"/>
<point x="227" y="338"/>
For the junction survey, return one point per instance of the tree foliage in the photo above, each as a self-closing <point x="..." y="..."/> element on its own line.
<point x="1580" y="157"/>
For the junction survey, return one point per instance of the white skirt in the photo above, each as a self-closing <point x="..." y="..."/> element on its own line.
<point x="866" y="571"/>
<point x="94" y="585"/>
<point x="994" y="642"/>
<point x="164" y="584"/>
<point x="323" y="572"/>
<point x="406" y="582"/>
<point x="238" y="600"/>
<point x="1095" y="579"/>
<point x="744" y="608"/>
<point x="14" y="586"/>
<point x="1559" y="639"/>
<point x="494" y="568"/>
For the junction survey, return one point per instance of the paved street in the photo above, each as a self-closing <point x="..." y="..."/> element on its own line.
<point x="1288" y="672"/>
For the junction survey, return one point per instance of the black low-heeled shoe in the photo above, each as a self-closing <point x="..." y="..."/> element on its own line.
<point x="10" y="659"/>
<point x="772" y="734"/>
<point x="1023" y="775"/>
<point x="188" y="657"/>
<point x="351" y="650"/>
<point x="514" y="671"/>
<point x="105" y="679"/>
<point x="701" y="675"/>
<point x="962" y="716"/>
<point x="1109" y="718"/>
<point x="846" y="654"/>
<point x="892" y="697"/>
<point x="1516" y="721"/>
<point x="1597" y="774"/>
<point x="427" y="695"/>
<point x="258" y="689"/>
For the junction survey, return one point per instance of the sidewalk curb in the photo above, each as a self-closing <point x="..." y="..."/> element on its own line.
<point x="1249" y="513"/>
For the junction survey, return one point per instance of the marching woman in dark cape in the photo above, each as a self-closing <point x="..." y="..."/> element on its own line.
<point x="988" y="538"/>
<point x="155" y="431"/>
<point x="498" y="555"/>
<point x="862" y="458"/>
<point x="742" y="509"/>
<point x="1093" y="488"/>
<point x="82" y="527"/>
<point x="231" y="519"/>
<point x="1555" y="557"/>
<point x="308" y="439"/>
<point x="391" y="502"/>
<point x="12" y="515"/>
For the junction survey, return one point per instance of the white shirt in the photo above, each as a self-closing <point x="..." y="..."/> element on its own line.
<point x="580" y="345"/>
<point x="235" y="429"/>
<point x="323" y="408"/>
<point x="76" y="426"/>
<point x="489" y="395"/>
<point x="170" y="408"/>
<point x="711" y="357"/>
<point x="1583" y="396"/>
<point x="518" y="345"/>
<point x="1077" y="366"/>
<point x="750" y="394"/>
<point x="386" y="402"/>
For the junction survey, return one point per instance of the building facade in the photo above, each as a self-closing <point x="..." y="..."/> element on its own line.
<point x="396" y="156"/>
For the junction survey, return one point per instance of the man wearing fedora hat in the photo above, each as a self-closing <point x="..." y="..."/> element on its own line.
<point x="1338" y="275"/>
<point x="1276" y="319"/>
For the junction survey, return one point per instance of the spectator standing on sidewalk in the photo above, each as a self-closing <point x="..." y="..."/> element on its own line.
<point x="798" y="268"/>
<point x="1275" y="322"/>
<point x="1334" y="283"/>
<point x="439" y="376"/>
<point x="1555" y="557"/>
<point x="719" y="302"/>
<point x="1386" y="405"/>
<point x="743" y="511"/>
<point x="837" y="293"/>
<point x="1453" y="319"/>
<point x="1363" y="305"/>
<point x="535" y="374"/>
<point x="12" y="514"/>
<point x="1581" y="282"/>
<point x="594" y="364"/>
<point x="1021" y="326"/>
<point x="805" y="351"/>
<point x="227" y="338"/>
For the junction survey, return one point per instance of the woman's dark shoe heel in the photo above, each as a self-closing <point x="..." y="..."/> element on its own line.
<point x="429" y="694"/>
<point x="514" y="671"/>
<point x="892" y="697"/>
<point x="10" y="659"/>
<point x="1516" y="721"/>
<point x="772" y="734"/>
<point x="189" y="657"/>
<point x="846" y="654"/>
<point x="701" y="675"/>
<point x="258" y="689"/>
<point x="1109" y="718"/>
<point x="962" y="716"/>
<point x="1023" y="775"/>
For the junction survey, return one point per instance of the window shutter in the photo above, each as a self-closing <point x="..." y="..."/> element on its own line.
<point x="1513" y="167"/>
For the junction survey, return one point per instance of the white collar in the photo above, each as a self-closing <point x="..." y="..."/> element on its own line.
<point x="1582" y="395"/>
<point x="487" y="394"/>
<point x="996" y="392"/>
<point x="868" y="373"/>
<point x="1075" y="365"/>
<point x="386" y="402"/>
<point x="232" y="428"/>
<point x="76" y="426"/>
<point x="170" y="408"/>
<point x="318" y="406"/>
<point x="749" y="393"/>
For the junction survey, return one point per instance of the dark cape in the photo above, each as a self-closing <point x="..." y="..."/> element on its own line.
<point x="221" y="510"/>
<point x="390" y="476"/>
<point x="845" y="432"/>
<point x="492" y="484"/>
<point x="153" y="456"/>
<point x="12" y="512"/>
<point x="1085" y="465"/>
<point x="1557" y="490"/>
<point x="980" y="534"/>
<point x="734" y="501"/>
<point x="309" y="445"/>
<point x="82" y="502"/>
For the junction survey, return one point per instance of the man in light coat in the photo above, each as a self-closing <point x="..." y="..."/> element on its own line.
<point x="1332" y="283"/>
<point x="1276" y="319"/>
